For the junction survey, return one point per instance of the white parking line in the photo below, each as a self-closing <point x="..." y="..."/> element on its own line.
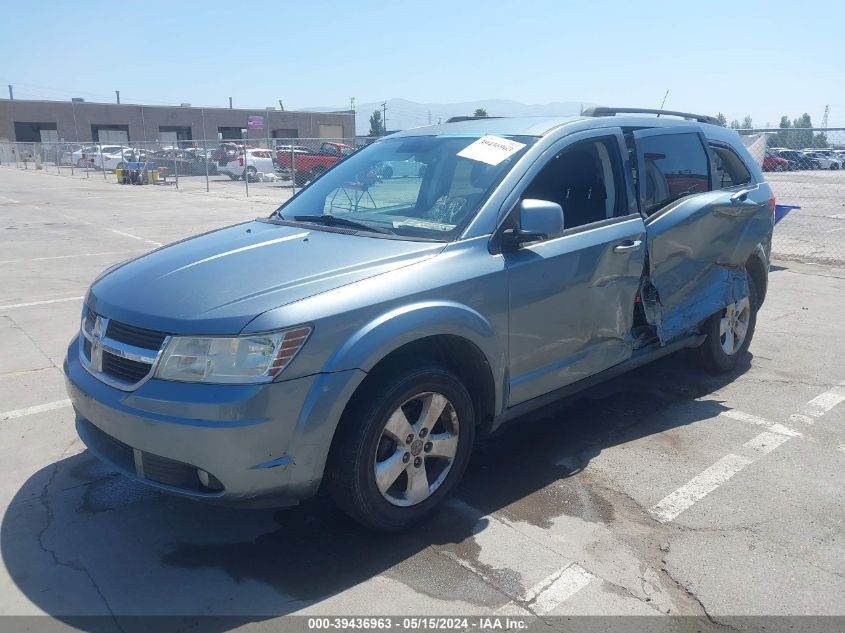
<point x="540" y="599"/>
<point x="673" y="504"/>
<point x="698" y="487"/>
<point x="820" y="405"/>
<point x="560" y="586"/>
<point x="43" y="259"/>
<point x="734" y="414"/>
<point x="39" y="303"/>
<point x="136" y="237"/>
<point x="38" y="408"/>
<point x="10" y="199"/>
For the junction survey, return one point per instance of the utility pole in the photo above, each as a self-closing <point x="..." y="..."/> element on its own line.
<point x="117" y="92"/>
<point x="824" y="118"/>
<point x="230" y="103"/>
<point x="384" y="116"/>
<point x="281" y="105"/>
<point x="11" y="93"/>
<point x="352" y="104"/>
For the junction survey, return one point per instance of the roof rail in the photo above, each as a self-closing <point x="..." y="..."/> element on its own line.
<point x="458" y="119"/>
<point x="602" y="111"/>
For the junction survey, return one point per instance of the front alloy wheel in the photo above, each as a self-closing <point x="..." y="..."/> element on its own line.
<point x="402" y="446"/>
<point x="417" y="449"/>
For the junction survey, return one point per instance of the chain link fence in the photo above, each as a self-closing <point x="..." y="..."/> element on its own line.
<point x="271" y="168"/>
<point x="805" y="167"/>
<point x="806" y="170"/>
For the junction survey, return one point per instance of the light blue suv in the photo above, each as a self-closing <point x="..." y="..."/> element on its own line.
<point x="366" y="333"/>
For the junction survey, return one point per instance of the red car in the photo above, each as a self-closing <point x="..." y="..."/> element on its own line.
<point x="309" y="166"/>
<point x="775" y="163"/>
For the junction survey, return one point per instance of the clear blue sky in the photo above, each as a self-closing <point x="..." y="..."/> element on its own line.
<point x="759" y="58"/>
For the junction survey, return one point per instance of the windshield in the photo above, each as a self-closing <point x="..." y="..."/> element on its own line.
<point x="414" y="187"/>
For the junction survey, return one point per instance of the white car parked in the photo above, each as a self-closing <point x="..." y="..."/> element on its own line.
<point x="83" y="155"/>
<point x="257" y="160"/>
<point x="825" y="161"/>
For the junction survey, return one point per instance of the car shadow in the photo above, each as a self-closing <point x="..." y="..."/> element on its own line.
<point x="79" y="540"/>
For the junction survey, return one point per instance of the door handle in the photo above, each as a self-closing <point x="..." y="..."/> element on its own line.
<point x="741" y="195"/>
<point x="627" y="245"/>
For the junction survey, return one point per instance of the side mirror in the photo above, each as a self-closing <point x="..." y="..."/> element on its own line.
<point x="538" y="220"/>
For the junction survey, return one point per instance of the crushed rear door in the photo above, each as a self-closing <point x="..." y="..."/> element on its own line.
<point x="698" y="243"/>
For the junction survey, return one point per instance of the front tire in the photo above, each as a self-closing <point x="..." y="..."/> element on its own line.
<point x="402" y="447"/>
<point x="729" y="333"/>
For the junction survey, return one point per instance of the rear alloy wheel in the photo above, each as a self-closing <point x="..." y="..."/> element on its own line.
<point x="402" y="447"/>
<point x="729" y="333"/>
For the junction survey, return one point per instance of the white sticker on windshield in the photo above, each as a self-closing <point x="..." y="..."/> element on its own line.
<point x="491" y="149"/>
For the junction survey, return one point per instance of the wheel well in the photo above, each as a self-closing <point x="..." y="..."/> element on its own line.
<point x="458" y="354"/>
<point x="756" y="268"/>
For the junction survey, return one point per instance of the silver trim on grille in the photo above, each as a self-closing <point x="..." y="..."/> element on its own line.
<point x="101" y="343"/>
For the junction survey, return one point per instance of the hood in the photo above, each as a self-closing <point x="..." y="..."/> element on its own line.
<point x="218" y="282"/>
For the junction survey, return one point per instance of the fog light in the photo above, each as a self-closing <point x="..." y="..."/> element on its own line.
<point x="203" y="477"/>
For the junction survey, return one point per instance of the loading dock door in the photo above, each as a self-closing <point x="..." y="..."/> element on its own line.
<point x="331" y="131"/>
<point x="49" y="136"/>
<point x="168" y="139"/>
<point x="114" y="137"/>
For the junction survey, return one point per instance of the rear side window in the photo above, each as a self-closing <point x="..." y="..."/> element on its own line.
<point x="730" y="170"/>
<point x="676" y="165"/>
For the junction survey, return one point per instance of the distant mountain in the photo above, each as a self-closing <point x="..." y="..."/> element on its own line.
<point x="403" y="114"/>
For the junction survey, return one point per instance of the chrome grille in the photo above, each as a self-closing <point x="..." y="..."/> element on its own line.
<point x="119" y="354"/>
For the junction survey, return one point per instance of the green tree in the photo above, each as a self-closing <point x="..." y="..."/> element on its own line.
<point x="747" y="124"/>
<point x="376" y="124"/>
<point x="722" y="120"/>
<point x="480" y="112"/>
<point x="735" y="124"/>
<point x="820" y="140"/>
<point x="801" y="137"/>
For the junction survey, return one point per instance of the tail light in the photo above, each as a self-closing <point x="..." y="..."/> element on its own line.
<point x="241" y="162"/>
<point x="773" y="205"/>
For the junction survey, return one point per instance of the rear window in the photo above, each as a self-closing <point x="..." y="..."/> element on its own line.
<point x="730" y="170"/>
<point x="676" y="165"/>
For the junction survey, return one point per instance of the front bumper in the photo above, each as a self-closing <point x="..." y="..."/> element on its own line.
<point x="259" y="444"/>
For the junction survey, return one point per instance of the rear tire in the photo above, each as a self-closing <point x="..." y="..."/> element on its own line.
<point x="391" y="465"/>
<point x="729" y="333"/>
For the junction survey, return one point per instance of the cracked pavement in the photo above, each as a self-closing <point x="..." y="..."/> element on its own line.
<point x="553" y="518"/>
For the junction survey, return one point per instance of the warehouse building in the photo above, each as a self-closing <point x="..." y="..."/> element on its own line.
<point x="27" y="121"/>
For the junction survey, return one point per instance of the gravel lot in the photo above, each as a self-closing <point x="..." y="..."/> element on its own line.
<point x="666" y="491"/>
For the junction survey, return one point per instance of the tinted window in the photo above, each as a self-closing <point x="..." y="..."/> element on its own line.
<point x="585" y="180"/>
<point x="730" y="170"/>
<point x="675" y="165"/>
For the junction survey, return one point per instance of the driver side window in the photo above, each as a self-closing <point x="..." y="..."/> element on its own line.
<point x="585" y="179"/>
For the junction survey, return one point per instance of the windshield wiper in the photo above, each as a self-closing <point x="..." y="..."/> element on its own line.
<point x="333" y="220"/>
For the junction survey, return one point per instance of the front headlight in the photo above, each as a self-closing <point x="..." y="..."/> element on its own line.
<point x="237" y="359"/>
